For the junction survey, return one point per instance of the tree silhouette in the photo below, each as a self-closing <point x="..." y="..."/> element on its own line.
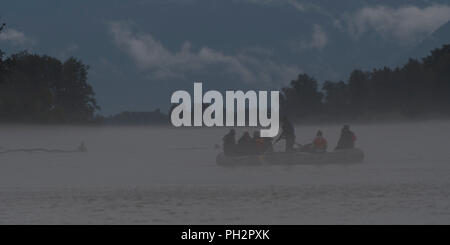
<point x="337" y="99"/>
<point x="419" y="88"/>
<point x="2" y="26"/>
<point x="302" y="98"/>
<point x="36" y="88"/>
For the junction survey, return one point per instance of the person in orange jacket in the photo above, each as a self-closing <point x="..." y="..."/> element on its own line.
<point x="258" y="143"/>
<point x="320" y="144"/>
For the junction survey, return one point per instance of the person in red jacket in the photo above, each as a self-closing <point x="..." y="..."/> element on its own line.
<point x="258" y="143"/>
<point x="320" y="144"/>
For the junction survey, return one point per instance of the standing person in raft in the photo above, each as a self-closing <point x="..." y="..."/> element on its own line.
<point x="288" y="133"/>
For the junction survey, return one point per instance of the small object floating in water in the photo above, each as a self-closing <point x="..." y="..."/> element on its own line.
<point x="82" y="147"/>
<point x="349" y="156"/>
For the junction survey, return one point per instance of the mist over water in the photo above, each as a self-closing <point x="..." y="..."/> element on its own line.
<point x="163" y="175"/>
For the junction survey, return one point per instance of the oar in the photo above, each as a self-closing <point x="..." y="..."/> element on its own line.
<point x="196" y="148"/>
<point x="276" y="141"/>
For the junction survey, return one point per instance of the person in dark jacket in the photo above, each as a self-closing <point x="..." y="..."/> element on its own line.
<point x="268" y="145"/>
<point x="346" y="140"/>
<point x="245" y="144"/>
<point x="229" y="143"/>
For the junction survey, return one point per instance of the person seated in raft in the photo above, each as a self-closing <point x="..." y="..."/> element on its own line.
<point x="229" y="143"/>
<point x="259" y="143"/>
<point x="346" y="140"/>
<point x="319" y="144"/>
<point x="268" y="145"/>
<point x="245" y="144"/>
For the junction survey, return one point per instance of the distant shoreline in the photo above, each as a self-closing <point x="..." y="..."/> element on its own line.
<point x="168" y="125"/>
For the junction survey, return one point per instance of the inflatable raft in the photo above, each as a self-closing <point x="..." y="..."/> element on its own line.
<point x="350" y="156"/>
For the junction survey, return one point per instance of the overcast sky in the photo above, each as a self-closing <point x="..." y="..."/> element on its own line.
<point x="140" y="51"/>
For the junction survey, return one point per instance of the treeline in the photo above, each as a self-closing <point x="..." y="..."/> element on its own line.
<point x="416" y="90"/>
<point x="43" y="89"/>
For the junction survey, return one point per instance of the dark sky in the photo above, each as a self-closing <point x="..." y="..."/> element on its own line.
<point x="140" y="51"/>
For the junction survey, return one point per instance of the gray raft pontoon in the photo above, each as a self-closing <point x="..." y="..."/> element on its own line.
<point x="350" y="156"/>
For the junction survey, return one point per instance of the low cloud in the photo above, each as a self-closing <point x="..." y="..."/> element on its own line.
<point x="404" y="24"/>
<point x="68" y="51"/>
<point x="319" y="40"/>
<point x="150" y="55"/>
<point x="297" y="4"/>
<point x="15" y="37"/>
